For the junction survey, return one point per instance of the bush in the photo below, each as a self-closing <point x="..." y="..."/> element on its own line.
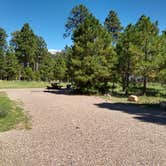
<point x="28" y="74"/>
<point x="2" y="113"/>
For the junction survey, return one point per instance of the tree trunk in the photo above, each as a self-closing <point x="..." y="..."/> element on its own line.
<point x="123" y="83"/>
<point x="19" y="76"/>
<point x="127" y="85"/>
<point x="145" y="71"/>
<point x="144" y="85"/>
<point x="34" y="67"/>
<point x="113" y="86"/>
<point x="28" y="64"/>
<point x="127" y="78"/>
<point x="37" y="66"/>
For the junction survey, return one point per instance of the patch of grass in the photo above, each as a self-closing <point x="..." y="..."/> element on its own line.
<point x="115" y="99"/>
<point x="153" y="89"/>
<point x="11" y="115"/>
<point x="22" y="84"/>
<point x="155" y="93"/>
<point x="150" y="99"/>
<point x="142" y="99"/>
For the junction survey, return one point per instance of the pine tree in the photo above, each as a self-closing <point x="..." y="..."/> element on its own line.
<point x="128" y="54"/>
<point x="77" y="16"/>
<point x="12" y="67"/>
<point x="41" y="52"/>
<point x="60" y="68"/>
<point x="68" y="55"/>
<point x="162" y="59"/>
<point x="24" y="43"/>
<point x="3" y="46"/>
<point x="92" y="57"/>
<point x="148" y="44"/>
<point x="113" y="25"/>
<point x="46" y="68"/>
<point x="30" y="51"/>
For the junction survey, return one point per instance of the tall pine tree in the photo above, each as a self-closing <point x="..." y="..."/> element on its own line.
<point x="24" y="43"/>
<point x="3" y="46"/>
<point x="77" y="16"/>
<point x="12" y="67"/>
<point x="148" y="44"/>
<point x="93" y="56"/>
<point x="128" y="56"/>
<point x="113" y="25"/>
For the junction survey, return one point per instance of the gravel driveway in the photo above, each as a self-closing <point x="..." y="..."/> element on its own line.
<point x="83" y="131"/>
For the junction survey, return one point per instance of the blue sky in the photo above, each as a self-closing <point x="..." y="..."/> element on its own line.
<point x="47" y="17"/>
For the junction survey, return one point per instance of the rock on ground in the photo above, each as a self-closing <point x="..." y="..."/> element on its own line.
<point x="133" y="98"/>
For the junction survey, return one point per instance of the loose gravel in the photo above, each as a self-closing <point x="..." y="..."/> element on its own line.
<point x="72" y="130"/>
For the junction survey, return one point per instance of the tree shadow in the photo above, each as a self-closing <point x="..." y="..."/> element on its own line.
<point x="54" y="91"/>
<point x="151" y="113"/>
<point x="59" y="91"/>
<point x="66" y="91"/>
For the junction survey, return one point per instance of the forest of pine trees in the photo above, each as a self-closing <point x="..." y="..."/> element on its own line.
<point x="102" y="54"/>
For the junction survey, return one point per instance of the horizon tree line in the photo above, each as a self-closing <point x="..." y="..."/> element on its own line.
<point x="102" y="54"/>
<point x="110" y="53"/>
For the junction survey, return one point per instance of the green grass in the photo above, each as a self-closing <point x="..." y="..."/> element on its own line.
<point x="153" y="89"/>
<point x="142" y="99"/>
<point x="22" y="84"/>
<point x="150" y="103"/>
<point x="11" y="115"/>
<point x="157" y="89"/>
<point x="155" y="93"/>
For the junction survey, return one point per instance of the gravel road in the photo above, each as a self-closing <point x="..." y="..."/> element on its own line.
<point x="70" y="130"/>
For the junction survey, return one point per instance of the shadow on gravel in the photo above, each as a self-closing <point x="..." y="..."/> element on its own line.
<point x="64" y="91"/>
<point x="151" y="113"/>
<point x="59" y="91"/>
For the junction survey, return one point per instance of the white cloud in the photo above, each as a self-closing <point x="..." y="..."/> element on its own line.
<point x="54" y="51"/>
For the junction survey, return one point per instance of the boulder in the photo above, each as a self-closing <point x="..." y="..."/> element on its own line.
<point x="133" y="98"/>
<point x="163" y="104"/>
